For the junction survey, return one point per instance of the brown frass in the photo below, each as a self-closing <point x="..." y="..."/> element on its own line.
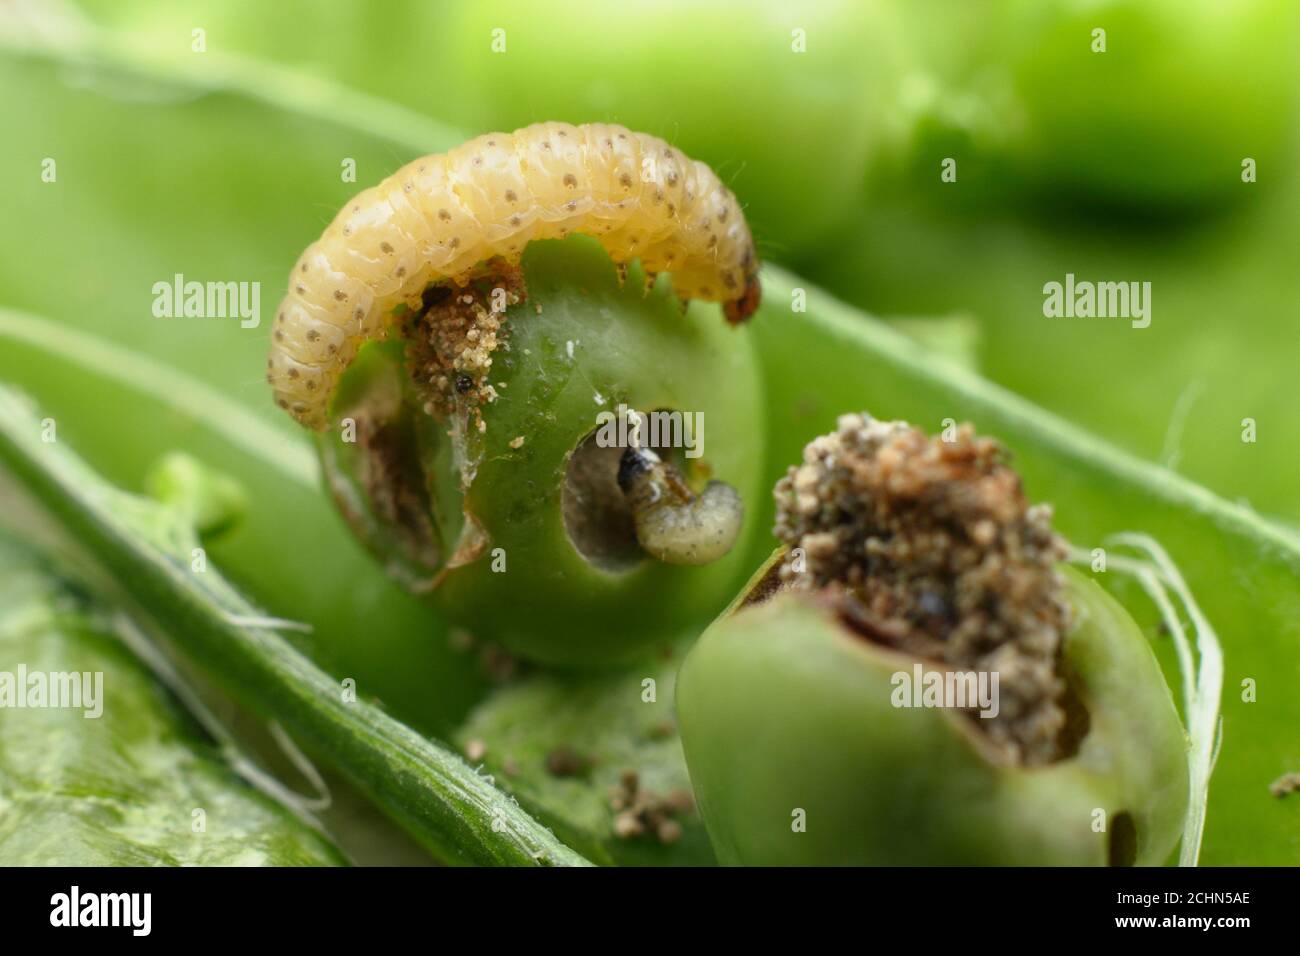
<point x="928" y="546"/>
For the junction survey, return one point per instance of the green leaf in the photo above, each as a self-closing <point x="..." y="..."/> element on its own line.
<point x="147" y="552"/>
<point x="1242" y="570"/>
<point x="128" y="780"/>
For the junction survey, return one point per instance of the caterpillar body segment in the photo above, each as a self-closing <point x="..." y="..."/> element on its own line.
<point x="441" y="216"/>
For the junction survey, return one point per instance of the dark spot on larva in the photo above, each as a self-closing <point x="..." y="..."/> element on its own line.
<point x="672" y="209"/>
<point x="722" y="214"/>
<point x="492" y="142"/>
<point x="669" y="256"/>
<point x="672" y="179"/>
<point x="713" y="241"/>
<point x="571" y="205"/>
<point x="420" y="168"/>
<point x="356" y="208"/>
<point x="546" y="144"/>
<point x="659" y="196"/>
<point x="340" y="295"/>
<point x="478" y="160"/>
<point x="622" y="135"/>
<point x="293" y="373"/>
<point x="707" y="225"/>
<point x="347" y="230"/>
<point x="279" y="336"/>
<point x="564" y="232"/>
<point x="625" y="181"/>
<point x="312" y="335"/>
<point x="386" y="247"/>
<point x="510" y="196"/>
<point x="706" y="290"/>
<point x="632" y="242"/>
<point x="562" y="132"/>
<point x="444" y="215"/>
<point x="303" y="267"/>
<point x="333" y="349"/>
<point x="300" y="289"/>
<point x="570" y="180"/>
<point x="280" y="318"/>
<point x="400" y="271"/>
<point x="455" y="243"/>
<point x="515" y="220"/>
<point x="282" y="403"/>
<point x="668" y="153"/>
<point x="407" y="187"/>
<point x="609" y="144"/>
<point x="358" y="313"/>
<point x="464" y="383"/>
<point x="729" y="281"/>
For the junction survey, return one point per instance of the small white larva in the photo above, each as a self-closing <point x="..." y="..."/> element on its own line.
<point x="673" y="524"/>
<point x="440" y="216"/>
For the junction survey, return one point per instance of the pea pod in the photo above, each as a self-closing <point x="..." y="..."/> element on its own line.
<point x="104" y="768"/>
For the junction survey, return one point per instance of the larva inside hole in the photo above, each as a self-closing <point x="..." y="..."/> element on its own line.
<point x="673" y="524"/>
<point x="623" y="504"/>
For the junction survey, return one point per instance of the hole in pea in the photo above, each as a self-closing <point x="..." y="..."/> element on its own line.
<point x="1122" y="848"/>
<point x="597" y="516"/>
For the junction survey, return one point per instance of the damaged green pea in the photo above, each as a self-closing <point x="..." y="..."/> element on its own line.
<point x="834" y="714"/>
<point x="467" y="454"/>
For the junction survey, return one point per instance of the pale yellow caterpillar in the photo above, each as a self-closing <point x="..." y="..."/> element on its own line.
<point x="439" y="217"/>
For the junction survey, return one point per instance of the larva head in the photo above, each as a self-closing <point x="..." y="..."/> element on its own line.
<point x="739" y="309"/>
<point x="914" y="672"/>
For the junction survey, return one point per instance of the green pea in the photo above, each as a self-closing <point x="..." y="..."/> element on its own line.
<point x="915" y="679"/>
<point x="519" y="530"/>
<point x="798" y="756"/>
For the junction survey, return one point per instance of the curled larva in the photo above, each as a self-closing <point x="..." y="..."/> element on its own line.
<point x="439" y="217"/>
<point x="674" y="525"/>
